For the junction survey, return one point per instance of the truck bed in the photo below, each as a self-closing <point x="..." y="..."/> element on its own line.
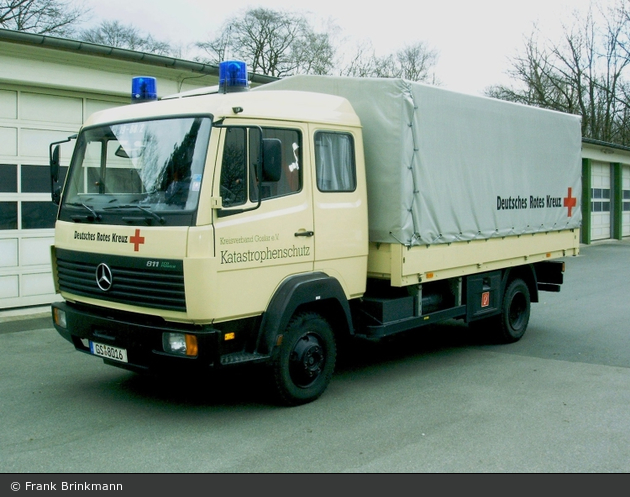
<point x="424" y="263"/>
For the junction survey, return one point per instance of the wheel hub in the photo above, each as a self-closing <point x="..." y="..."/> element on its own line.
<point x="517" y="311"/>
<point x="306" y="360"/>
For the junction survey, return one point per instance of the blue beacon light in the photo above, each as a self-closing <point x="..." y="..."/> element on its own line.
<point x="143" y="89"/>
<point x="232" y="76"/>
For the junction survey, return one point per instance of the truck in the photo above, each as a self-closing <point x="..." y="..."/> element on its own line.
<point x="267" y="227"/>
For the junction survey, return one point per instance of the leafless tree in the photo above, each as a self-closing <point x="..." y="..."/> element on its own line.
<point x="47" y="17"/>
<point x="413" y="62"/>
<point x="416" y="62"/>
<point x="116" y="34"/>
<point x="272" y="42"/>
<point x="314" y="54"/>
<point x="362" y="63"/>
<point x="585" y="72"/>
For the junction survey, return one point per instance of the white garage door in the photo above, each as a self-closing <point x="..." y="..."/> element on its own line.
<point x="29" y="122"/>
<point x="600" y="201"/>
<point x="625" y="215"/>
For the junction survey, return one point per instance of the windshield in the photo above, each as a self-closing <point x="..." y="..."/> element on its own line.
<point x="138" y="172"/>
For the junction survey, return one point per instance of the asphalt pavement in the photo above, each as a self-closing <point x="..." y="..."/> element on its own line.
<point x="443" y="400"/>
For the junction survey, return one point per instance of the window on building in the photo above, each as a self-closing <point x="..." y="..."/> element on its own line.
<point x="8" y="178"/>
<point x="35" y="179"/>
<point x="600" y="199"/>
<point x="38" y="215"/>
<point x="8" y="215"/>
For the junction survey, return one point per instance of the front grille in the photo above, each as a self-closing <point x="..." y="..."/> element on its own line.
<point x="155" y="283"/>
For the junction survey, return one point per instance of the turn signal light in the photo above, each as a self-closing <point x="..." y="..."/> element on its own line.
<point x="59" y="317"/>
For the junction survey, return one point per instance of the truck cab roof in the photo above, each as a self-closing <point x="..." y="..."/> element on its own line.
<point x="278" y="105"/>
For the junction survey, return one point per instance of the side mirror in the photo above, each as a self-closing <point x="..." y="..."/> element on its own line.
<point x="54" y="164"/>
<point x="54" y="154"/>
<point x="56" y="195"/>
<point x="55" y="191"/>
<point x="272" y="159"/>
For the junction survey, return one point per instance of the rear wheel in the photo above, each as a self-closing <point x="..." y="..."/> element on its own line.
<point x="304" y="364"/>
<point x="515" y="311"/>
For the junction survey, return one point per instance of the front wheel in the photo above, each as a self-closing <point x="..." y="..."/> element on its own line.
<point x="304" y="363"/>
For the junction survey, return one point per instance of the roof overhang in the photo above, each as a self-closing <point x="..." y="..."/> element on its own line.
<point x="86" y="48"/>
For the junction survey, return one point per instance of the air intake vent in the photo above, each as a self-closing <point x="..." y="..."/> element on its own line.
<point x="155" y="283"/>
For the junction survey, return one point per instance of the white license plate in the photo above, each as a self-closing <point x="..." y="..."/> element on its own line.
<point x="108" y="352"/>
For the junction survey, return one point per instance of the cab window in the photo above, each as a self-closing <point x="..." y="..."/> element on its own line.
<point x="240" y="159"/>
<point x="334" y="162"/>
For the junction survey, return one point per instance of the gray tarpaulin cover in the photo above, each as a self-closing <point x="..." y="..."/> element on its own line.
<point x="444" y="167"/>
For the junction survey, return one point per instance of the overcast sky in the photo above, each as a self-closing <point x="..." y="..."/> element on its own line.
<point x="474" y="38"/>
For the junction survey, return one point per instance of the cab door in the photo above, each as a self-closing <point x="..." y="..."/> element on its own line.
<point x="264" y="230"/>
<point x="340" y="207"/>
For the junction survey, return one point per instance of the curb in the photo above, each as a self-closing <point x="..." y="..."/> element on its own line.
<point x="24" y="313"/>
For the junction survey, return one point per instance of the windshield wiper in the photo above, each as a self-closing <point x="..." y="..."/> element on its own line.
<point x="95" y="216"/>
<point x="153" y="215"/>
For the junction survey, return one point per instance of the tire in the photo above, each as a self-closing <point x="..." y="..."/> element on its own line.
<point x="515" y="310"/>
<point x="305" y="361"/>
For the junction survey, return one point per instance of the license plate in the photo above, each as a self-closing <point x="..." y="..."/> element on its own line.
<point x="108" y="352"/>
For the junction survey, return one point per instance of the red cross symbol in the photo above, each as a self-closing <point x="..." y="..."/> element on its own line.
<point x="570" y="202"/>
<point x="137" y="240"/>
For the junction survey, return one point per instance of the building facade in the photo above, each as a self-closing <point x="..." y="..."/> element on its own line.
<point x="605" y="191"/>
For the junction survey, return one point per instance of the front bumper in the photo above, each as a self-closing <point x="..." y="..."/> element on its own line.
<point x="140" y="336"/>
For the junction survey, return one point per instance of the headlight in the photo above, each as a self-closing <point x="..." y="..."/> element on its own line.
<point x="180" y="344"/>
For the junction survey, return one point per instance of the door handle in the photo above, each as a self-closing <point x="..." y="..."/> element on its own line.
<point x="305" y="233"/>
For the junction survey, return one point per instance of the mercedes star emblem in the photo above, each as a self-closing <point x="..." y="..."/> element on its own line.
<point x="104" y="278"/>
